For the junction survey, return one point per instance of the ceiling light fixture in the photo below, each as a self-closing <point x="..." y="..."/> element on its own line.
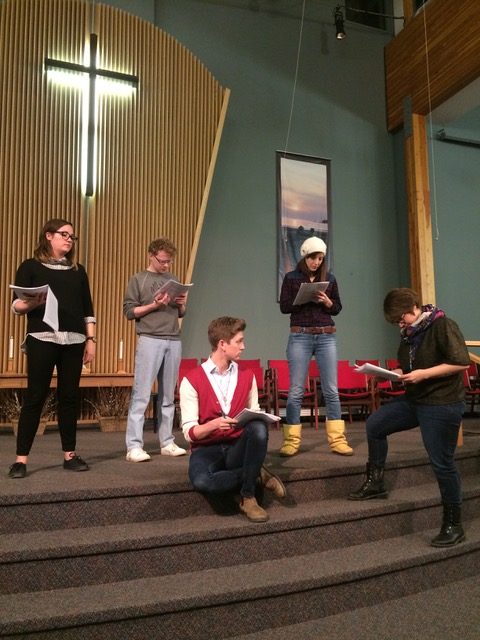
<point x="339" y="18"/>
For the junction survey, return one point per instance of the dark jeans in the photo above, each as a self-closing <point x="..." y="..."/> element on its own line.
<point x="439" y="426"/>
<point x="42" y="358"/>
<point x="220" y="468"/>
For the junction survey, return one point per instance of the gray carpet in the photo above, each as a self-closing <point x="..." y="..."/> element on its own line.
<point x="130" y="550"/>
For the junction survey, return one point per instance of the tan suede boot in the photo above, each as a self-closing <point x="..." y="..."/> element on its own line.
<point x="336" y="437"/>
<point x="253" y="511"/>
<point x="292" y="436"/>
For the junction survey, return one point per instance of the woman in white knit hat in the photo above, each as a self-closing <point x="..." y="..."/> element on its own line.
<point x="312" y="334"/>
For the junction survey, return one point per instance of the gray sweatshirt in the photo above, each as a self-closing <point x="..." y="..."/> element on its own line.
<point x="162" y="323"/>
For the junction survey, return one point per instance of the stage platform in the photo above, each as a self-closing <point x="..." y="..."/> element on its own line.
<point x="105" y="453"/>
<point x="130" y="550"/>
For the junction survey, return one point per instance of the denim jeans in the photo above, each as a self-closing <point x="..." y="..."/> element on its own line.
<point x="300" y="350"/>
<point x="220" y="468"/>
<point x="160" y="359"/>
<point x="439" y="425"/>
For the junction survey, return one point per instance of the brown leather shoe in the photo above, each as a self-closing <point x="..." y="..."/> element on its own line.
<point x="253" y="511"/>
<point x="272" y="482"/>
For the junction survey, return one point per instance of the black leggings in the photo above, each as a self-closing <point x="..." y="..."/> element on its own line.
<point x="42" y="358"/>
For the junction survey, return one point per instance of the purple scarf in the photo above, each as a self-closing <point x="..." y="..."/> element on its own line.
<point x="413" y="335"/>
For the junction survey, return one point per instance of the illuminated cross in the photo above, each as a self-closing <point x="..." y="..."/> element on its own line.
<point x="89" y="113"/>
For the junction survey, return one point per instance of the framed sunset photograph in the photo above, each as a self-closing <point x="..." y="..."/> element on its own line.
<point x="303" y="205"/>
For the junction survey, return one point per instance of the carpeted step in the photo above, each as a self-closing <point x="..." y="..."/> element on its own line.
<point x="248" y="599"/>
<point x="449" y="613"/>
<point x="105" y="504"/>
<point x="75" y="557"/>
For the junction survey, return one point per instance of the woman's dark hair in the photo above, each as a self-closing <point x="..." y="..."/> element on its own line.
<point x="43" y="250"/>
<point x="320" y="274"/>
<point x="399" y="301"/>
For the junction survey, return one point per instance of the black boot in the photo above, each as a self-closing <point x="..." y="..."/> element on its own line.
<point x="452" y="531"/>
<point x="373" y="486"/>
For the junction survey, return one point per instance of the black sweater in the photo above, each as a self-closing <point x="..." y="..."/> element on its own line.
<point x="70" y="287"/>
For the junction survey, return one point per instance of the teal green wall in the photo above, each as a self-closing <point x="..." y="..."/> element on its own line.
<point x="455" y="203"/>
<point x="339" y="113"/>
<point x="454" y="179"/>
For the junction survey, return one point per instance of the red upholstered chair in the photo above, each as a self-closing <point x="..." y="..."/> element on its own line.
<point x="389" y="389"/>
<point x="374" y="384"/>
<point x="471" y="382"/>
<point x="264" y="383"/>
<point x="354" y="390"/>
<point x="280" y="376"/>
<point x="186" y="365"/>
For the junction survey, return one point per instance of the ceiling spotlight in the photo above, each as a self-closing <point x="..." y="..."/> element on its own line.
<point x="338" y="17"/>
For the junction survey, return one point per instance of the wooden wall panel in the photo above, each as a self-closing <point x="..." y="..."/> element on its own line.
<point x="436" y="55"/>
<point x="155" y="155"/>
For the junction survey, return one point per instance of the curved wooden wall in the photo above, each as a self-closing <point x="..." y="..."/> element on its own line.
<point x="156" y="154"/>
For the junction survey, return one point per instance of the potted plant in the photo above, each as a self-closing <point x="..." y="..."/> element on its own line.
<point x="12" y="405"/>
<point x="111" y="408"/>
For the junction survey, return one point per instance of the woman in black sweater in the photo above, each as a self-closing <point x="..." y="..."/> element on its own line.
<point x="68" y="348"/>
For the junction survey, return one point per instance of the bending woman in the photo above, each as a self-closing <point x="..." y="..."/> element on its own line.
<point x="432" y="357"/>
<point x="67" y="349"/>
<point x="312" y="334"/>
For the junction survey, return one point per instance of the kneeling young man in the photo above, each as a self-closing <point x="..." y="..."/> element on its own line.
<point x="226" y="458"/>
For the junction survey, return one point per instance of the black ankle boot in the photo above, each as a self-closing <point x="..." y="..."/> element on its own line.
<point x="373" y="486"/>
<point x="451" y="531"/>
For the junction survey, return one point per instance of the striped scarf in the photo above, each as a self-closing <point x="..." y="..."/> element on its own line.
<point x="413" y="334"/>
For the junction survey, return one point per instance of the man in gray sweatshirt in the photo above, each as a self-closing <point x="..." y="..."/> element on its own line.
<point x="159" y="349"/>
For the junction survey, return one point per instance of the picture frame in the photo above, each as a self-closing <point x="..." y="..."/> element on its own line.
<point x="303" y="207"/>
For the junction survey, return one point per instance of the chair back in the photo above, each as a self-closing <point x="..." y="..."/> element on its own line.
<point x="255" y="366"/>
<point x="281" y="372"/>
<point x="186" y="365"/>
<point x="392" y="363"/>
<point x="348" y="378"/>
<point x="313" y="371"/>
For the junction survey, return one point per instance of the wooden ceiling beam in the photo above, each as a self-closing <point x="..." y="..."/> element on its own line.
<point x="432" y="58"/>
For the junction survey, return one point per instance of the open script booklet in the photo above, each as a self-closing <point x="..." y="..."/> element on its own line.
<point x="247" y="415"/>
<point x="373" y="370"/>
<point x="174" y="288"/>
<point x="308" y="290"/>
<point x="50" y="316"/>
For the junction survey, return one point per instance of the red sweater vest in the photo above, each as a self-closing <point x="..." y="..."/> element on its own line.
<point x="209" y="406"/>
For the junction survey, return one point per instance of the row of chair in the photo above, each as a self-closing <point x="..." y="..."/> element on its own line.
<point x="356" y="390"/>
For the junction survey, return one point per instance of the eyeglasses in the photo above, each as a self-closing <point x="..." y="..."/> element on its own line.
<point x="402" y="317"/>
<point x="67" y="236"/>
<point x="163" y="263"/>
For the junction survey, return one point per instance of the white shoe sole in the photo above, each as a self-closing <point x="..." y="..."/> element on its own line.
<point x="143" y="459"/>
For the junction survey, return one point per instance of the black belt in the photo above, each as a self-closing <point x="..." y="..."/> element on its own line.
<point x="315" y="330"/>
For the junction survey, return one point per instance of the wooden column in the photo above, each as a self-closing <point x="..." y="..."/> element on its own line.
<point x="408" y="9"/>
<point x="422" y="273"/>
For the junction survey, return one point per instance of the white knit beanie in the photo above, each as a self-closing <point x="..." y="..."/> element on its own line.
<point x="313" y="245"/>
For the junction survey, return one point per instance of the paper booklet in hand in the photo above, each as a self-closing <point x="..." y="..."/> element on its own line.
<point x="307" y="291"/>
<point x="247" y="415"/>
<point x="373" y="370"/>
<point x="50" y="316"/>
<point x="174" y="288"/>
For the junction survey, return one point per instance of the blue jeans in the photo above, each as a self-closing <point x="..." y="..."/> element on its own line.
<point x="300" y="350"/>
<point x="160" y="359"/>
<point x="220" y="468"/>
<point x="439" y="425"/>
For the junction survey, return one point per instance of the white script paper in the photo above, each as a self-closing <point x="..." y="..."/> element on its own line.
<point x="307" y="291"/>
<point x="50" y="315"/>
<point x="379" y="372"/>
